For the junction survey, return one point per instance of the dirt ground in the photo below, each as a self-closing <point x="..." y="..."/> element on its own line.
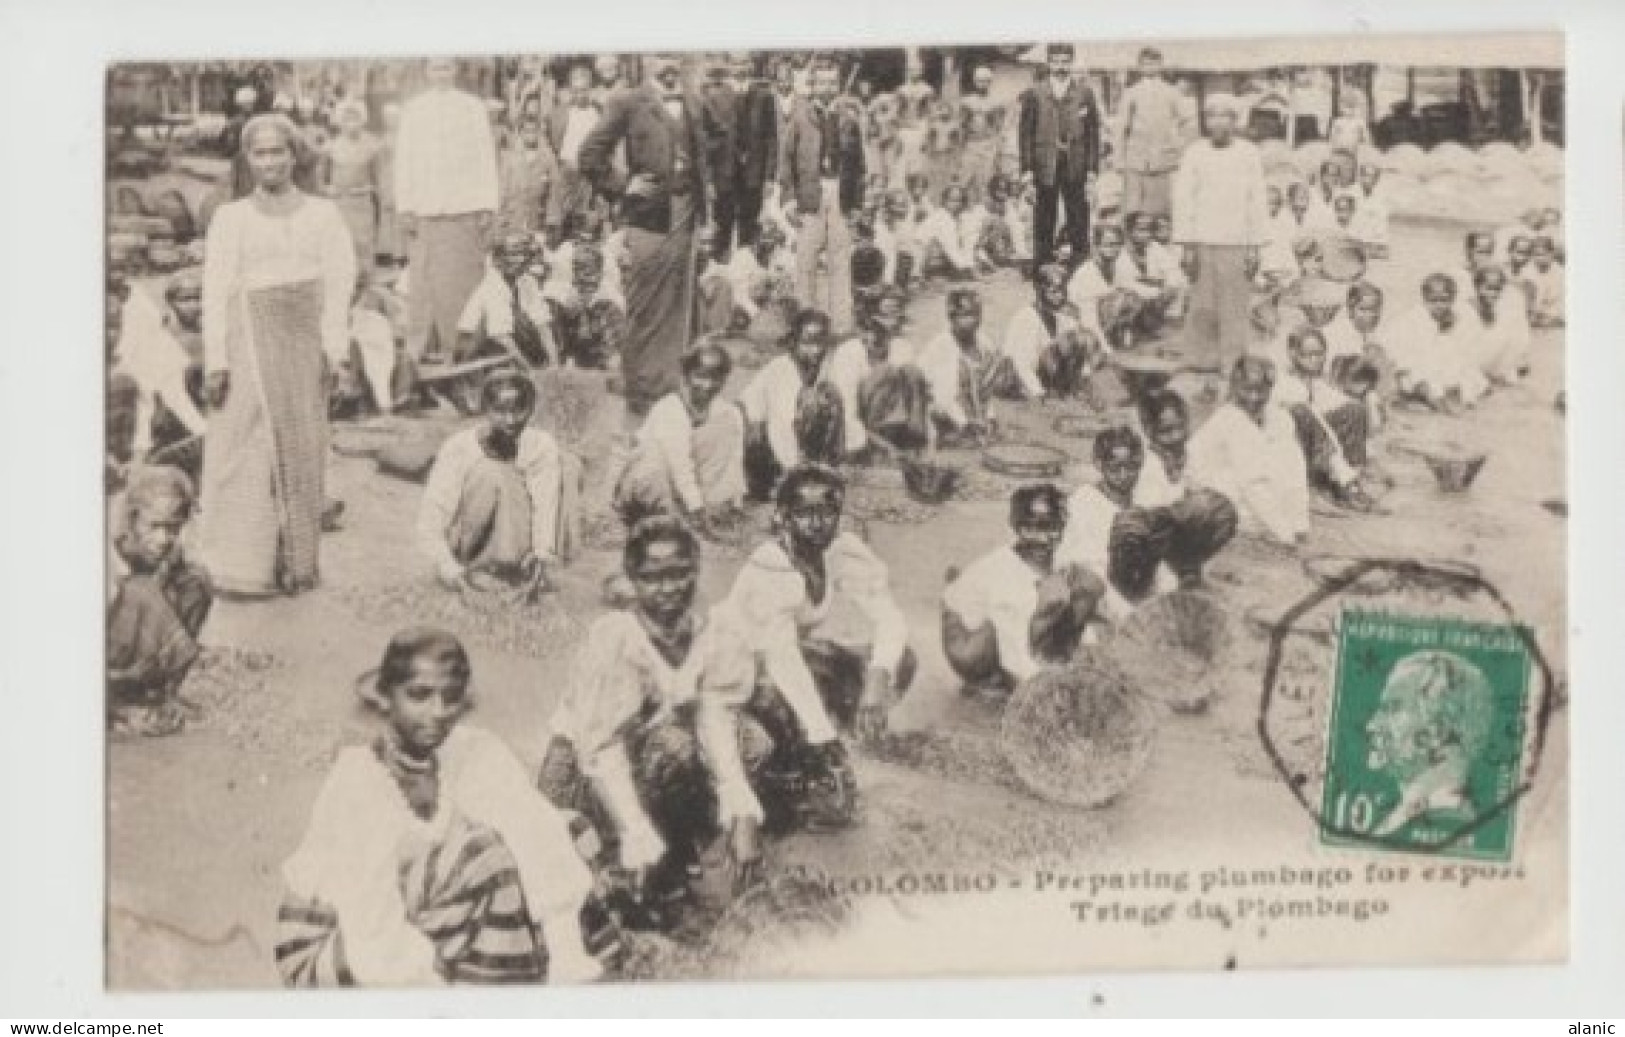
<point x="200" y="823"/>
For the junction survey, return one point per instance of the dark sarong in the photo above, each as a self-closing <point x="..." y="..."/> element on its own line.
<point x="894" y="404"/>
<point x="1184" y="535"/>
<point x="659" y="306"/>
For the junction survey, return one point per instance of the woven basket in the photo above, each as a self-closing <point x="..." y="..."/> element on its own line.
<point x="1079" y="735"/>
<point x="1025" y="460"/>
<point x="1173" y="649"/>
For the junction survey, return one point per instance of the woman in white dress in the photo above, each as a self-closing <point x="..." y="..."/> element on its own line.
<point x="278" y="273"/>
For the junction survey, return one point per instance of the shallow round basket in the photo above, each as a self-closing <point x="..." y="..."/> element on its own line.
<point x="1329" y="569"/>
<point x="1025" y="460"/>
<point x="1344" y="259"/>
<point x="1078" y="735"/>
<point x="931" y="482"/>
<point x="1173" y="649"/>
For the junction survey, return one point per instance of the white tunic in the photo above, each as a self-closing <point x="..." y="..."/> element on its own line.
<point x="1002" y="589"/>
<point x="1260" y="468"/>
<point x="445" y="155"/>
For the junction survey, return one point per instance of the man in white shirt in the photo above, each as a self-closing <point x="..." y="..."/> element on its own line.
<point x="885" y="400"/>
<point x="793" y="413"/>
<point x="1219" y="218"/>
<point x="1433" y="354"/>
<point x="446" y="193"/>
<point x="498" y="499"/>
<point x="1014" y="610"/>
<point x="1248" y="451"/>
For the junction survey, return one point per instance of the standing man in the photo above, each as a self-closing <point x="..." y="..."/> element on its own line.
<point x="756" y="137"/>
<point x="719" y="123"/>
<point x="983" y="120"/>
<point x="821" y="173"/>
<point x="608" y="76"/>
<point x="446" y="195"/>
<point x="568" y="124"/>
<point x="1154" y="136"/>
<point x="662" y="206"/>
<point x="1220" y="219"/>
<point x="1060" y="151"/>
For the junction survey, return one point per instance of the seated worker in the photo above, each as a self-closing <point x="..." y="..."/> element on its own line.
<point x="965" y="370"/>
<point x="810" y="684"/>
<point x="1371" y="218"/>
<point x="1054" y="352"/>
<point x="898" y="240"/>
<point x="1014" y="610"/>
<point x="793" y="414"/>
<point x="1433" y="355"/>
<point x="1329" y="183"/>
<point x="885" y="399"/>
<point x="151" y="358"/>
<point x="1139" y="549"/>
<point x="1480" y="246"/>
<point x="1276" y="264"/>
<point x="650" y="741"/>
<point x="688" y="458"/>
<point x="1160" y="301"/>
<point x="1248" y="451"/>
<point x="429" y="859"/>
<point x="1547" y="309"/>
<point x="713" y="289"/>
<point x="1209" y="516"/>
<point x="1345" y="224"/>
<point x="763" y="276"/>
<point x="157" y="603"/>
<point x="1332" y="428"/>
<point x="1499" y="337"/>
<point x="502" y="498"/>
<point x="946" y="238"/>
<point x="1101" y="290"/>
<point x="588" y="315"/>
<point x="507" y="313"/>
<point x="997" y="244"/>
<point x="586" y="231"/>
<point x="1357" y="357"/>
<point x="1304" y="218"/>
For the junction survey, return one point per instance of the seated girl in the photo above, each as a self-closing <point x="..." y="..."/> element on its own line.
<point x="157" y="603"/>
<point x="688" y="458"/>
<point x="502" y="499"/>
<point x="1013" y="611"/>
<point x="1136" y="547"/>
<point x="793" y="413"/>
<point x="817" y="676"/>
<point x="429" y="858"/>
<point x="650" y="741"/>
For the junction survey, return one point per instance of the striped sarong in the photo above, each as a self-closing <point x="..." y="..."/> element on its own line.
<point x="463" y="893"/>
<point x="264" y="457"/>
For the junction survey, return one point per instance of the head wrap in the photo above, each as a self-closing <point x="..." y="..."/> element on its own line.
<point x="270" y="121"/>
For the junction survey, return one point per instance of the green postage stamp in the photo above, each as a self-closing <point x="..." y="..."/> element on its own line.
<point x="1426" y="741"/>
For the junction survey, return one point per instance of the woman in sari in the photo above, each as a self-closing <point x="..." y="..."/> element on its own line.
<point x="277" y="280"/>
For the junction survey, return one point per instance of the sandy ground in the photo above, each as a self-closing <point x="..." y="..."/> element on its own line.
<point x="200" y="823"/>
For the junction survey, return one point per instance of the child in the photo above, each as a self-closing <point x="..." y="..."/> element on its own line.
<point x="507" y="313"/>
<point x="588" y="315"/>
<point x="429" y="858"/>
<point x="158" y="601"/>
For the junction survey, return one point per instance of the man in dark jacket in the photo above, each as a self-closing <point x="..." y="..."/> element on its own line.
<point x="756" y="140"/>
<point x="719" y="125"/>
<point x="663" y="202"/>
<point x="1060" y="152"/>
<point x="821" y="172"/>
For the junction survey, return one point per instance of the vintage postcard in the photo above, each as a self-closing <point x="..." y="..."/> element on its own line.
<point x="882" y="512"/>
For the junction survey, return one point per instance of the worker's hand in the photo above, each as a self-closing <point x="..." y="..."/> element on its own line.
<point x="215" y="388"/>
<point x="874" y="707"/>
<point x="1249" y="262"/>
<point x="1188" y="262"/>
<point x="451" y="575"/>
<point x="642" y="186"/>
<point x="745" y="853"/>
